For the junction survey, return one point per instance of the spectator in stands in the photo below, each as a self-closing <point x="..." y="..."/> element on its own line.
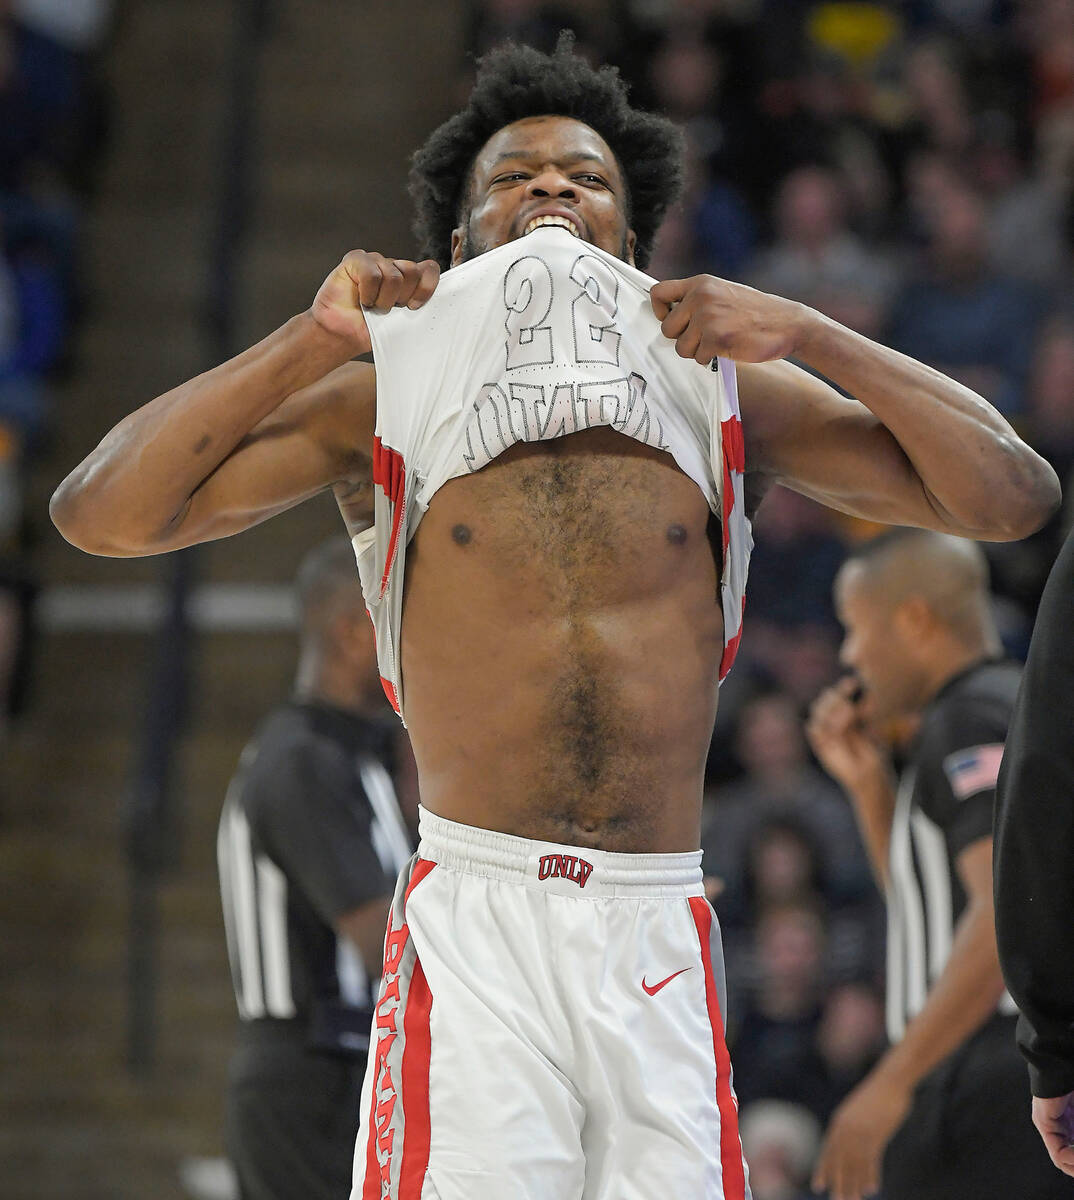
<point x="1027" y="235"/>
<point x="33" y="328"/>
<point x="711" y="230"/>
<point x="818" y="260"/>
<point x="850" y="1039"/>
<point x="938" y="98"/>
<point x="956" y="314"/>
<point x="779" y="1141"/>
<point x="1047" y="32"/>
<point x="1019" y="569"/>
<point x="773" y="1041"/>
<point x="798" y="539"/>
<point x="779" y="783"/>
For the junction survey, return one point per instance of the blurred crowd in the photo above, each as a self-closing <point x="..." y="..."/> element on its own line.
<point x="908" y="169"/>
<point x="52" y="127"/>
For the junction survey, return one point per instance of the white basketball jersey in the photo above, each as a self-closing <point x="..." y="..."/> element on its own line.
<point x="540" y="338"/>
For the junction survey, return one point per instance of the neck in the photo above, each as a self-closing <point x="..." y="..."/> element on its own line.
<point x="958" y="658"/>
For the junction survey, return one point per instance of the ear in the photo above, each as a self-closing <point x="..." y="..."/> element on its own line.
<point x="457" y="236"/>
<point x="631" y="242"/>
<point x="913" y="620"/>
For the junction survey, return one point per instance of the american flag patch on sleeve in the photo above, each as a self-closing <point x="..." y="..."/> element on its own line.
<point x="973" y="770"/>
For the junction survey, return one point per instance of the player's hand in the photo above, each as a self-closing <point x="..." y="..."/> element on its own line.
<point x="858" y="1133"/>
<point x="1054" y="1119"/>
<point x="840" y="739"/>
<point x="708" y="317"/>
<point x="367" y="280"/>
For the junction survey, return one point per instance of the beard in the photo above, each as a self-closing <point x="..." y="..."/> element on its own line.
<point x="469" y="248"/>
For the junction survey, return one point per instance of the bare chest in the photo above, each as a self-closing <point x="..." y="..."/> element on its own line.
<point x="579" y="515"/>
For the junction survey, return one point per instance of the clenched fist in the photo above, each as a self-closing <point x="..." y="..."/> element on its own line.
<point x="368" y="280"/>
<point x="708" y="317"/>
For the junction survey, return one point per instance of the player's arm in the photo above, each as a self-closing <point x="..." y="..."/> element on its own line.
<point x="960" y="1002"/>
<point x="968" y="989"/>
<point x="364" y="926"/>
<point x="280" y="422"/>
<point x="913" y="448"/>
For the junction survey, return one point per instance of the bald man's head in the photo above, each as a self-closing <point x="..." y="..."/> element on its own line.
<point x="915" y="607"/>
<point x="949" y="575"/>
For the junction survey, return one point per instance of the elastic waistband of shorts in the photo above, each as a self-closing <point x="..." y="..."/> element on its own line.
<point x="552" y="867"/>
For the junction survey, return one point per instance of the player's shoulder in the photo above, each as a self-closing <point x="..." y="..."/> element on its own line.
<point x="987" y="686"/>
<point x="292" y="748"/>
<point x="284" y="732"/>
<point x="973" y="708"/>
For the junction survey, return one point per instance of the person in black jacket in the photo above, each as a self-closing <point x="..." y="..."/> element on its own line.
<point x="1034" y="863"/>
<point x="311" y="838"/>
<point x="945" y="1111"/>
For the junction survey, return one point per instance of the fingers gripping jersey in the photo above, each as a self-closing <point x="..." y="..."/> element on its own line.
<point x="540" y="338"/>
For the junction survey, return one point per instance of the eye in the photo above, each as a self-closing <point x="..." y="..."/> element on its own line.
<point x="510" y="177"/>
<point x="589" y="177"/>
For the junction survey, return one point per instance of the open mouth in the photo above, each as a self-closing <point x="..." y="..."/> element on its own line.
<point x="563" y="222"/>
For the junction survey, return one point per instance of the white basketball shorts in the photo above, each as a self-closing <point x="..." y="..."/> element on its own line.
<point x="549" y="1028"/>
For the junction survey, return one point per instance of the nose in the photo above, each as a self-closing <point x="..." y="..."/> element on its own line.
<point x="551" y="181"/>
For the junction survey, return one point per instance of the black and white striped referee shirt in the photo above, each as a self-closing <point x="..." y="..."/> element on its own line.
<point x="310" y="829"/>
<point x="944" y="804"/>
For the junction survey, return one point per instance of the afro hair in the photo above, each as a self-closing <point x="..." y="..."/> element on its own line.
<point x="515" y="82"/>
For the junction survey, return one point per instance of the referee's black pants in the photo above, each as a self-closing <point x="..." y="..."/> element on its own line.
<point x="969" y="1134"/>
<point x="291" y="1121"/>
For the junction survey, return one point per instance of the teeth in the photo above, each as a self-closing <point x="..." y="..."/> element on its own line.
<point x="564" y="222"/>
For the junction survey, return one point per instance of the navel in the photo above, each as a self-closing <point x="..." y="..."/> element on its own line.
<point x="461" y="535"/>
<point x="677" y="534"/>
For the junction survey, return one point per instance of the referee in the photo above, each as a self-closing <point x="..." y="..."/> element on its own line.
<point x="311" y="839"/>
<point x="945" y="1112"/>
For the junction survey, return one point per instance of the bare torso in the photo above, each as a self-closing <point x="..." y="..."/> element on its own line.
<point x="561" y="640"/>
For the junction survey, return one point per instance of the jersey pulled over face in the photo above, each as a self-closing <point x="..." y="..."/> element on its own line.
<point x="566" y="617"/>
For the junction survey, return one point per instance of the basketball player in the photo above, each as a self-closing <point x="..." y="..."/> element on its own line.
<point x="1034" y="875"/>
<point x="311" y="840"/>
<point x="550" y="446"/>
<point x="945" y="1112"/>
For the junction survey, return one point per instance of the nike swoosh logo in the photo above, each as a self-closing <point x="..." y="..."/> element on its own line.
<point x="663" y="982"/>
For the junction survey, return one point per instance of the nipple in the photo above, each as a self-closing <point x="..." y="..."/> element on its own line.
<point x="461" y="535"/>
<point x="677" y="534"/>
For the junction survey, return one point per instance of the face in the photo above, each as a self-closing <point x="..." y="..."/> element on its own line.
<point x="876" y="647"/>
<point x="545" y="166"/>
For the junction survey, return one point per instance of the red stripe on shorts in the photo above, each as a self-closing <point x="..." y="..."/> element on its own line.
<point x="416" y="1069"/>
<point x="413" y="1075"/>
<point x="416" y="1087"/>
<point x="734" y="1178"/>
<point x="421" y="868"/>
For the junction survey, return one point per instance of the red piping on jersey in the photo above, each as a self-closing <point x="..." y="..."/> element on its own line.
<point x="730" y="649"/>
<point x="734" y="462"/>
<point x="389" y="473"/>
